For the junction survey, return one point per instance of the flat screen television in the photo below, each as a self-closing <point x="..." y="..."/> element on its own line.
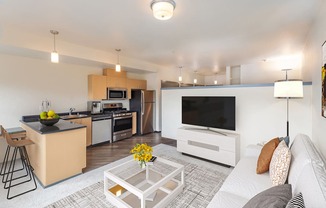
<point x="209" y="111"/>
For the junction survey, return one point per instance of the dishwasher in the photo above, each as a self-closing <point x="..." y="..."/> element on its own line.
<point x="101" y="129"/>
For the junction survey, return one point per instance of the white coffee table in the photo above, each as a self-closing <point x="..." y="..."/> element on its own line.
<point x="128" y="185"/>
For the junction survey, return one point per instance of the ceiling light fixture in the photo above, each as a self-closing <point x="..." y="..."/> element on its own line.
<point x="54" y="54"/>
<point x="117" y="66"/>
<point x="163" y="9"/>
<point x="180" y="73"/>
<point x="215" y="82"/>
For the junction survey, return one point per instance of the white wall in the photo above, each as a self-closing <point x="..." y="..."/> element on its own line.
<point x="25" y="82"/>
<point x="312" y="65"/>
<point x="267" y="72"/>
<point x="259" y="116"/>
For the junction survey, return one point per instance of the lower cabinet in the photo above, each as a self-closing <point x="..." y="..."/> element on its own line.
<point x="88" y="123"/>
<point x="209" y="145"/>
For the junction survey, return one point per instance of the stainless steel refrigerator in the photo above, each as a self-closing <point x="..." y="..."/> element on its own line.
<point x="143" y="102"/>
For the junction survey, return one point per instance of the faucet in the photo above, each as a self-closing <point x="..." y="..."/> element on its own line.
<point x="71" y="110"/>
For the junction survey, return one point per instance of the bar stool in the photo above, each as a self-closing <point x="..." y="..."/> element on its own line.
<point x="16" y="133"/>
<point x="18" y="145"/>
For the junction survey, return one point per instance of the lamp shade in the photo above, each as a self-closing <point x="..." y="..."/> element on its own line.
<point x="288" y="89"/>
<point x="117" y="68"/>
<point x="163" y="9"/>
<point x="54" y="57"/>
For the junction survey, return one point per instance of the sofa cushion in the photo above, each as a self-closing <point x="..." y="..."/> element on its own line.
<point x="275" y="197"/>
<point x="312" y="184"/>
<point x="280" y="164"/>
<point x="286" y="139"/>
<point x="303" y="152"/>
<point x="244" y="182"/>
<point x="265" y="156"/>
<point x="226" y="199"/>
<point x="296" y="202"/>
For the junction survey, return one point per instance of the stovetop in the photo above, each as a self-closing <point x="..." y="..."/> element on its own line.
<point x="107" y="114"/>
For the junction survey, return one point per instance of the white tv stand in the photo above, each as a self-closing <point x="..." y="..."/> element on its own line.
<point x="210" y="145"/>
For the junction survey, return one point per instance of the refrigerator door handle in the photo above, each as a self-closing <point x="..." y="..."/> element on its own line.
<point x="142" y="102"/>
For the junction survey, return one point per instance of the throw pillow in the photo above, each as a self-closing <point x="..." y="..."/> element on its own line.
<point x="277" y="196"/>
<point x="286" y="139"/>
<point x="265" y="156"/>
<point x="280" y="164"/>
<point x="296" y="202"/>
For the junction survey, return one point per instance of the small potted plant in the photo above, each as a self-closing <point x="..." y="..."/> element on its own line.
<point x="142" y="153"/>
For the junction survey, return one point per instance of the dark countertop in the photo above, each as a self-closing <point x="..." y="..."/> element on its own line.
<point x="31" y="118"/>
<point x="58" y="127"/>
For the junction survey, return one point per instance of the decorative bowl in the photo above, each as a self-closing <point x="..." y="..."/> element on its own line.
<point x="49" y="122"/>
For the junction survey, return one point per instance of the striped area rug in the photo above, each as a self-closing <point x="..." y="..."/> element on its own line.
<point x="201" y="184"/>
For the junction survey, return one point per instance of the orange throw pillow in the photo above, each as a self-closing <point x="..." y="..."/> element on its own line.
<point x="265" y="156"/>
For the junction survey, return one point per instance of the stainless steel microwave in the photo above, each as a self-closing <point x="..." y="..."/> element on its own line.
<point x="116" y="94"/>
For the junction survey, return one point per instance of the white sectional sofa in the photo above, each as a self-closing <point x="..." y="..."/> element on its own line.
<point x="307" y="174"/>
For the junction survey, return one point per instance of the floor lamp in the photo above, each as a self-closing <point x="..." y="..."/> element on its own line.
<point x="286" y="89"/>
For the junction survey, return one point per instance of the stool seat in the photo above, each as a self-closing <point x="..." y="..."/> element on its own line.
<point x="21" y="143"/>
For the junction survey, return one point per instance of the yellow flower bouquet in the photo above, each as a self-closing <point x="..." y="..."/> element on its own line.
<point x="142" y="153"/>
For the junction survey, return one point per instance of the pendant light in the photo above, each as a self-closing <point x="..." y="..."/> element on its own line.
<point x="180" y="73"/>
<point x="117" y="66"/>
<point x="215" y="82"/>
<point x="54" y="54"/>
<point x="163" y="9"/>
<point x="195" y="79"/>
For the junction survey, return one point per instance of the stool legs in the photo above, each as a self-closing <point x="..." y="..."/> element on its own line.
<point x="9" y="175"/>
<point x="4" y="165"/>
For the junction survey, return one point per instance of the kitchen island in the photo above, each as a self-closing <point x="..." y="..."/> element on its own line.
<point x="59" y="151"/>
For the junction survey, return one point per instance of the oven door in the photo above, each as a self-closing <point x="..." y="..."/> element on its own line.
<point x="122" y="127"/>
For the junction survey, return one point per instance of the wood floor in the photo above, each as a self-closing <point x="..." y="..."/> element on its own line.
<point x="103" y="154"/>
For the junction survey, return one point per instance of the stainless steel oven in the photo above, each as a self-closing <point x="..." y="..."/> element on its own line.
<point x="121" y="121"/>
<point x="122" y="125"/>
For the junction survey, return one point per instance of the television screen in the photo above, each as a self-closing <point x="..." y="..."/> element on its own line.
<point x="209" y="111"/>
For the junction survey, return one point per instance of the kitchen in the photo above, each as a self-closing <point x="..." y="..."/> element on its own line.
<point x="105" y="108"/>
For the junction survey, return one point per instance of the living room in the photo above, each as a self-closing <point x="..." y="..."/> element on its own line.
<point x="28" y="76"/>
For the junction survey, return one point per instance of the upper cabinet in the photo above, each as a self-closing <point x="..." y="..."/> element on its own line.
<point x="97" y="84"/>
<point x="115" y="79"/>
<point x="137" y="84"/>
<point x="96" y="87"/>
<point x="116" y="82"/>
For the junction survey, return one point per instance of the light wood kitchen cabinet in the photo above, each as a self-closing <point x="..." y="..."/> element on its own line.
<point x="88" y="123"/>
<point x="137" y="84"/>
<point x="58" y="155"/>
<point x="116" y="82"/>
<point x="113" y="73"/>
<point x="96" y="87"/>
<point x="134" y="123"/>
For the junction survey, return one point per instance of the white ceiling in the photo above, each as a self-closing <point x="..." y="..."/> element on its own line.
<point x="203" y="35"/>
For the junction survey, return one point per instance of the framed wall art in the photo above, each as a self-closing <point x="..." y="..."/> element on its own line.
<point x="323" y="81"/>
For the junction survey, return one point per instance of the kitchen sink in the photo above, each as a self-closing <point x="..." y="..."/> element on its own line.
<point x="67" y="117"/>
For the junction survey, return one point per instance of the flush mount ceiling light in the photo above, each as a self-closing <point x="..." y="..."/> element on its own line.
<point x="54" y="54"/>
<point x="117" y="66"/>
<point x="163" y="9"/>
